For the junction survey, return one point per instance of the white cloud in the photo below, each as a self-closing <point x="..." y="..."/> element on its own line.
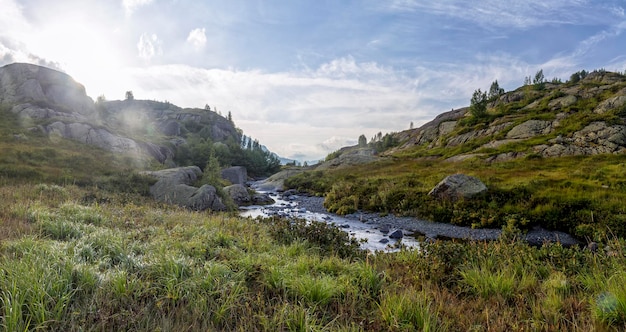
<point x="197" y="38"/>
<point x="131" y="5"/>
<point x="149" y="45"/>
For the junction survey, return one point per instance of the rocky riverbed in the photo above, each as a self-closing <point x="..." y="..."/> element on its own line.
<point x="386" y="232"/>
<point x="434" y="230"/>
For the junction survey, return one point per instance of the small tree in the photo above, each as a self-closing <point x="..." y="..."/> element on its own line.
<point x="207" y="107"/>
<point x="478" y="104"/>
<point x="539" y="78"/>
<point x="411" y="125"/>
<point x="230" y="117"/>
<point x="129" y="95"/>
<point x="362" y="141"/>
<point x="495" y="90"/>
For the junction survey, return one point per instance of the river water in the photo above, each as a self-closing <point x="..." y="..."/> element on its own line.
<point x="373" y="237"/>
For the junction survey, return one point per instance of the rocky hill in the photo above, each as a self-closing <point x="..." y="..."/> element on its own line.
<point x="52" y="103"/>
<point x="587" y="117"/>
<point x="550" y="120"/>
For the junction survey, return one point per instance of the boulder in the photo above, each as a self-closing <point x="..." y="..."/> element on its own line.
<point x="616" y="102"/>
<point x="529" y="129"/>
<point x="235" y="174"/>
<point x="174" y="187"/>
<point x="397" y="234"/>
<point x="562" y="102"/>
<point x="262" y="199"/>
<point x="458" y="186"/>
<point x="239" y="194"/>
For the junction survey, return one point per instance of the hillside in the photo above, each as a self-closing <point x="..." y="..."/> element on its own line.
<point x="558" y="119"/>
<point x="551" y="154"/>
<point x="50" y="103"/>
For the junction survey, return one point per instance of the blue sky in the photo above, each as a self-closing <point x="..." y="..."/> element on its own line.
<point x="307" y="77"/>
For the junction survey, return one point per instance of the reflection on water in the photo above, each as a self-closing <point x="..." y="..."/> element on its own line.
<point x="371" y="238"/>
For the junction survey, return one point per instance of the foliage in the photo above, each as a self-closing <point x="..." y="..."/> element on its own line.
<point x="478" y="104"/>
<point x="495" y="91"/>
<point x="362" y="141"/>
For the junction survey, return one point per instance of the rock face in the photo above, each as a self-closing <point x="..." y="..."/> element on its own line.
<point x="174" y="187"/>
<point x="350" y="156"/>
<point x="458" y="186"/>
<point x="43" y="87"/>
<point x="235" y="174"/>
<point x="530" y="129"/>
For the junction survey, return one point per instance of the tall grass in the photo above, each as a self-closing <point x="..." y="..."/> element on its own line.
<point x="125" y="266"/>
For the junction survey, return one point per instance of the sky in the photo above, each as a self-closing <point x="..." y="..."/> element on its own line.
<point x="306" y="77"/>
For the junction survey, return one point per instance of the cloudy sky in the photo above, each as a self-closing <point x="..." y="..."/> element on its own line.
<point x="306" y="77"/>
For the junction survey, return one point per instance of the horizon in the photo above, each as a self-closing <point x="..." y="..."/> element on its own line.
<point x="307" y="78"/>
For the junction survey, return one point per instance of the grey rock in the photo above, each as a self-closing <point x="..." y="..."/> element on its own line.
<point x="562" y="102"/>
<point x="174" y="187"/>
<point x="239" y="194"/>
<point x="384" y="228"/>
<point x="235" y="174"/>
<point x="529" y="129"/>
<point x="22" y="83"/>
<point x="262" y="199"/>
<point x="446" y="127"/>
<point x="610" y="104"/>
<point x="458" y="186"/>
<point x="464" y="138"/>
<point x="384" y="241"/>
<point x="397" y="234"/>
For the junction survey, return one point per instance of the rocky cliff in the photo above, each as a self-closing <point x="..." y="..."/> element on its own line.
<point x="51" y="102"/>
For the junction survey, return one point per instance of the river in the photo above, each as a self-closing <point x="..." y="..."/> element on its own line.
<point x="373" y="237"/>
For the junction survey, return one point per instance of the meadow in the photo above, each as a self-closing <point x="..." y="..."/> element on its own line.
<point x="81" y="258"/>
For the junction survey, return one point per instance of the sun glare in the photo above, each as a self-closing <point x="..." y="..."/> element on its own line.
<point x="84" y="50"/>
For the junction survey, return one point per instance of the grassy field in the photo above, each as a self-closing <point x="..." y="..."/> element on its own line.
<point x="582" y="195"/>
<point x="69" y="262"/>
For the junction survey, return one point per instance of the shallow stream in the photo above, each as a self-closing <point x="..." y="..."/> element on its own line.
<point x="372" y="237"/>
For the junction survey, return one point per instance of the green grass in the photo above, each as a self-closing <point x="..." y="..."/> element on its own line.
<point x="581" y="195"/>
<point x="125" y="266"/>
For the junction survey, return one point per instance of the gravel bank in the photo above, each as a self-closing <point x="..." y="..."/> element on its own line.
<point x="535" y="236"/>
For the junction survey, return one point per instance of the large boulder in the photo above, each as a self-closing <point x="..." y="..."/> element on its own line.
<point x="235" y="174"/>
<point x="174" y="186"/>
<point x="239" y="194"/>
<point x="458" y="186"/>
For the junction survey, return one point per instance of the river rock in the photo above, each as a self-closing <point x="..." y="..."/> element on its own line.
<point x="458" y="186"/>
<point x="262" y="199"/>
<point x="396" y="234"/>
